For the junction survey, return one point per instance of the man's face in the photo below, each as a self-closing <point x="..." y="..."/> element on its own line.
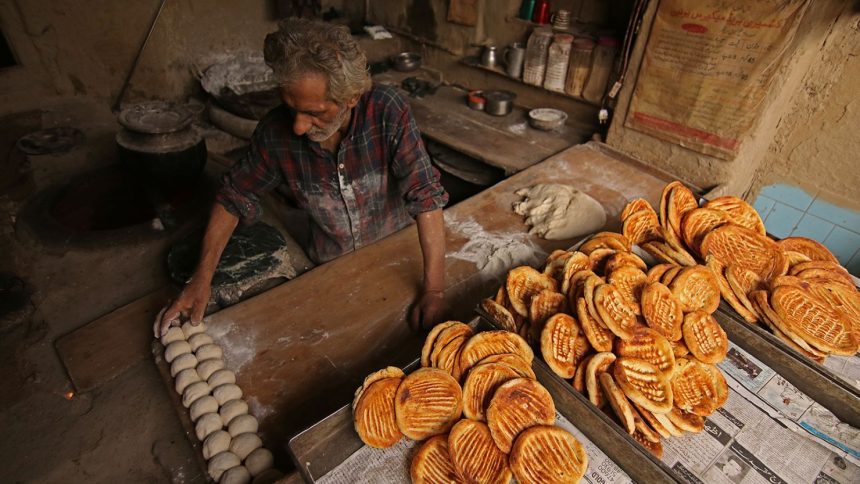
<point x="316" y="115"/>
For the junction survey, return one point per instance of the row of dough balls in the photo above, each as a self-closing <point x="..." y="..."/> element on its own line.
<point x="234" y="451"/>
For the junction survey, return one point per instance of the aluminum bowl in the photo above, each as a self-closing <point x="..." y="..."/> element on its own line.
<point x="405" y="61"/>
<point x="547" y="118"/>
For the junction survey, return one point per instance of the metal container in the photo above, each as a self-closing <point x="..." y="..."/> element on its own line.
<point x="476" y="100"/>
<point x="499" y="103"/>
<point x="490" y="57"/>
<point x="405" y="61"/>
<point x="515" y="56"/>
<point x="159" y="144"/>
<point x="547" y="119"/>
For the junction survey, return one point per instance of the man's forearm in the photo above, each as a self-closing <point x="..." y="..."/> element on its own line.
<point x="431" y="235"/>
<point x="218" y="231"/>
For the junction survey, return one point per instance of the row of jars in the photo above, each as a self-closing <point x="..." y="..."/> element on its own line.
<point x="576" y="66"/>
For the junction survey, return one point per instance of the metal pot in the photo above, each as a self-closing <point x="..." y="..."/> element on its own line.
<point x="405" y="61"/>
<point x="499" y="103"/>
<point x="159" y="144"/>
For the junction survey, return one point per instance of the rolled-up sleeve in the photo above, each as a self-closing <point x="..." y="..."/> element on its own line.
<point x="417" y="178"/>
<point x="254" y="175"/>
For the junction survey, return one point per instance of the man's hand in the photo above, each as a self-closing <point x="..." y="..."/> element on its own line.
<point x="191" y="303"/>
<point x="427" y="310"/>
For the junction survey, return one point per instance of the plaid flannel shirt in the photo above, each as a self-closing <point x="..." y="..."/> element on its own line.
<point x="377" y="182"/>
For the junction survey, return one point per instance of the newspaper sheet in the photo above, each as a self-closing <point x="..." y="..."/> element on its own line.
<point x="768" y="431"/>
<point x="845" y="367"/>
<point x="368" y="465"/>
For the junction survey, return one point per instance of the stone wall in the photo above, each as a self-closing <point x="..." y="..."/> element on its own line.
<point x="86" y="48"/>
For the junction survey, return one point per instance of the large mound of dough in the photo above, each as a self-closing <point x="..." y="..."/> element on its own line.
<point x="559" y="212"/>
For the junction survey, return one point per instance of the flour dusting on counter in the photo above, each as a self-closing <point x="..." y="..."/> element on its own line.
<point x="239" y="346"/>
<point x="258" y="409"/>
<point x="519" y="128"/>
<point x="493" y="253"/>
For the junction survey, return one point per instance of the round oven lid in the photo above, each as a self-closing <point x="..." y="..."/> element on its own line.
<point x="155" y="117"/>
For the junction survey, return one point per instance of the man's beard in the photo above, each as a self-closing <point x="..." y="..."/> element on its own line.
<point x="319" y="135"/>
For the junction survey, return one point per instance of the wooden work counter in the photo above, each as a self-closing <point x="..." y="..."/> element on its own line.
<point x="300" y="349"/>
<point x="506" y="142"/>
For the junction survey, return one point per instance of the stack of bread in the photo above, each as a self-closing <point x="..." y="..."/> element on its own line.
<point x="794" y="286"/>
<point x="646" y="344"/>
<point x="498" y="424"/>
<point x="222" y="424"/>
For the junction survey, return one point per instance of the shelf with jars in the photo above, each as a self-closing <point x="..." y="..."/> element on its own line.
<point x="577" y="67"/>
<point x="499" y="70"/>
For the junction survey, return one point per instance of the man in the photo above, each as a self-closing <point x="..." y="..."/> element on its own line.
<point x="345" y="151"/>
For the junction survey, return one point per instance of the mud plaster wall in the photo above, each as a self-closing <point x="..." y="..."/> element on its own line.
<point x="736" y="176"/>
<point x="85" y="48"/>
<point x="816" y="145"/>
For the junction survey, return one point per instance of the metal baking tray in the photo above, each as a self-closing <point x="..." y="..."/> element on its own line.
<point x="810" y="377"/>
<point x="326" y="444"/>
<point x="827" y="388"/>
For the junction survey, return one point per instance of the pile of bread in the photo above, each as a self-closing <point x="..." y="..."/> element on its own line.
<point x="645" y="343"/>
<point x="498" y="424"/>
<point x="794" y="286"/>
<point x="228" y="433"/>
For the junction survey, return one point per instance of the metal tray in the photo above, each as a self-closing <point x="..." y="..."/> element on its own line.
<point x="328" y="443"/>
<point x="813" y="379"/>
<point x="827" y="388"/>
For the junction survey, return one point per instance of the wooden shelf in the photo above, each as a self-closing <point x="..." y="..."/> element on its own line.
<point x="473" y="62"/>
<point x="574" y="28"/>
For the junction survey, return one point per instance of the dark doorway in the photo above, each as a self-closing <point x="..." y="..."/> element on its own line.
<point x="7" y="57"/>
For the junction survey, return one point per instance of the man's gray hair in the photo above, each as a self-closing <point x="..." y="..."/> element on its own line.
<point x="302" y="46"/>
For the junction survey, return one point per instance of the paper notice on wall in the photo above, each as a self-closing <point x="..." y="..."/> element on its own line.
<point x="706" y="70"/>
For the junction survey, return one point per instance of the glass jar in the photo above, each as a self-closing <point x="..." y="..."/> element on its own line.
<point x="579" y="66"/>
<point x="601" y="68"/>
<point x="536" y="54"/>
<point x="557" y="61"/>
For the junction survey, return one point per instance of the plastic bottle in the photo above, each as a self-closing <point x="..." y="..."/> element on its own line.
<point x="601" y="68"/>
<point x="527" y="9"/>
<point x="536" y="54"/>
<point x="557" y="61"/>
<point x="579" y="67"/>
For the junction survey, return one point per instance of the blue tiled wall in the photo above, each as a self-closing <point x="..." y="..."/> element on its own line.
<point x="788" y="210"/>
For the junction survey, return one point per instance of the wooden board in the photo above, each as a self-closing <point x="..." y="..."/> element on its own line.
<point x="301" y="349"/>
<point x="506" y="142"/>
<point x="113" y="343"/>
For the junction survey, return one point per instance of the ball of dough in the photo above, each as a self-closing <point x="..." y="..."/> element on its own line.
<point x="185" y="378"/>
<point x="209" y="351"/>
<point x="175" y="349"/>
<point x="259" y="461"/>
<point x="217" y="442"/>
<point x="221" y="462"/>
<point x="242" y="424"/>
<point x="226" y="392"/>
<point x="236" y="475"/>
<point x="244" y="444"/>
<point x="183" y="362"/>
<point x="190" y="330"/>
<point x="198" y="340"/>
<point x="232" y="409"/>
<point x="173" y="334"/>
<point x="207" y="367"/>
<point x="203" y="405"/>
<point x="194" y="392"/>
<point x="208" y="423"/>
<point x="221" y="377"/>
